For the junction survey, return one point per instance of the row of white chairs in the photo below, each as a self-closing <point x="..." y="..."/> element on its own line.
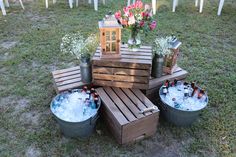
<point x="154" y="4"/>
<point x="221" y="3"/>
<point x="175" y="3"/>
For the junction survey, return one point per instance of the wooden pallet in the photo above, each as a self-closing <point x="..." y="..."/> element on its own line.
<point x="121" y="110"/>
<point x="67" y="79"/>
<point x="156" y="83"/>
<point x="132" y="70"/>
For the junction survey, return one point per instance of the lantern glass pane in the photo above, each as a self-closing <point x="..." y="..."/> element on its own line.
<point x="107" y="47"/>
<point x="113" y="35"/>
<point x="113" y="47"/>
<point x="107" y="36"/>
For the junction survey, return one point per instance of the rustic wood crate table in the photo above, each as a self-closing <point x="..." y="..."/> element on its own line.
<point x="132" y="70"/>
<point x="122" y="113"/>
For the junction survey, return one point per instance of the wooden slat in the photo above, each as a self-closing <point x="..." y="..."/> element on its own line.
<point x="67" y="74"/>
<point x="120" y="84"/>
<point x="111" y="106"/>
<point x="130" y="64"/>
<point x="67" y="78"/>
<point x="127" y="102"/>
<point x="70" y="86"/>
<point x="158" y="81"/>
<point x="120" y="78"/>
<point x="120" y="71"/>
<point x="68" y="82"/>
<point x="130" y="56"/>
<point x="120" y="104"/>
<point x="65" y="70"/>
<point x="143" y="98"/>
<point x="123" y="60"/>
<point x="135" y="100"/>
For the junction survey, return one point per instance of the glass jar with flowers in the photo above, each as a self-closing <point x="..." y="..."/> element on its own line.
<point x="138" y="19"/>
<point x="83" y="49"/>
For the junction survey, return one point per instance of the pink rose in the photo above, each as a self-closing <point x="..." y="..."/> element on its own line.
<point x="126" y="10"/>
<point x="118" y="14"/>
<point x="139" y="4"/>
<point x="153" y="25"/>
<point x="141" y="23"/>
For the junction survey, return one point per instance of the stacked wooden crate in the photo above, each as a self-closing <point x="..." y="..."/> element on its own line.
<point x="132" y="70"/>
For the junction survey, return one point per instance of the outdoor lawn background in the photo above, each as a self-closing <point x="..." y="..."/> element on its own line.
<point x="30" y="50"/>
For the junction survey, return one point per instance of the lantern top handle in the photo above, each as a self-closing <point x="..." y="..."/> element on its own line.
<point x="109" y="21"/>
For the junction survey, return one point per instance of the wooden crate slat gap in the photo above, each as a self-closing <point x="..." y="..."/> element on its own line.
<point x="135" y="100"/>
<point x="121" y="84"/>
<point x="70" y="86"/>
<point x="130" y="105"/>
<point x="120" y="78"/>
<point x="56" y="72"/>
<point x="117" y="101"/>
<point x="71" y="81"/>
<point x="67" y="74"/>
<point x="124" y="56"/>
<point x="142" y="61"/>
<point x="67" y="78"/>
<point x="120" y="71"/>
<point x="111" y="106"/>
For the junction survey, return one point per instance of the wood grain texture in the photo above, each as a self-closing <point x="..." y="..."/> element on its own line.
<point x="119" y="103"/>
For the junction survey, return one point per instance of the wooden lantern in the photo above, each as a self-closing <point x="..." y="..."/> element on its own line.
<point x="170" y="61"/>
<point x="110" y="37"/>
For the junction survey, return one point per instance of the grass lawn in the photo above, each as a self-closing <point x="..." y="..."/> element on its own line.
<point x="30" y="50"/>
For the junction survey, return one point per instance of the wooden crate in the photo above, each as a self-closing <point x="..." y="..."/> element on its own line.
<point x="121" y="110"/>
<point x="67" y="79"/>
<point x="156" y="83"/>
<point x="132" y="70"/>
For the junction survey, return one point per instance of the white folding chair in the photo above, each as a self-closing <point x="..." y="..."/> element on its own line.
<point x="220" y="7"/>
<point x="175" y="3"/>
<point x="2" y="7"/>
<point x="7" y="5"/>
<point x="154" y="5"/>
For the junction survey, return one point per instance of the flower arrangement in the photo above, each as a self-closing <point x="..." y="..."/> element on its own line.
<point x="136" y="17"/>
<point x="77" y="45"/>
<point x="161" y="46"/>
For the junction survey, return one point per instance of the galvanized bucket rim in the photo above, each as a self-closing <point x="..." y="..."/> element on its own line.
<point x="207" y="100"/>
<point x="89" y="119"/>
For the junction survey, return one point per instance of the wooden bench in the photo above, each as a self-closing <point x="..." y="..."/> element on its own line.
<point x="121" y="110"/>
<point x="67" y="79"/>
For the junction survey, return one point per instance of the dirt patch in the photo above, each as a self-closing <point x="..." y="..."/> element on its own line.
<point x="30" y="118"/>
<point x="32" y="152"/>
<point x="8" y="44"/>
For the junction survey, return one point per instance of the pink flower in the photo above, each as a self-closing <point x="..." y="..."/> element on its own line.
<point x="131" y="20"/>
<point x="153" y="25"/>
<point x="144" y="14"/>
<point x="126" y="10"/>
<point x="141" y="23"/>
<point x="131" y="14"/>
<point x="138" y="4"/>
<point x="124" y="22"/>
<point x="118" y="14"/>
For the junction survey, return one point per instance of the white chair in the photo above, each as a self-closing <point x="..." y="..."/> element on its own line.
<point x="7" y="5"/>
<point x="77" y="3"/>
<point x="154" y="5"/>
<point x="2" y="7"/>
<point x="220" y="7"/>
<point x="175" y="3"/>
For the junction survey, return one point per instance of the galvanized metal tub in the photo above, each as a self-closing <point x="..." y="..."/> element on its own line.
<point x="77" y="129"/>
<point x="177" y="116"/>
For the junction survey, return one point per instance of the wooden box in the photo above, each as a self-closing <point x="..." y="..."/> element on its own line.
<point x="66" y="79"/>
<point x="121" y="110"/>
<point x="132" y="70"/>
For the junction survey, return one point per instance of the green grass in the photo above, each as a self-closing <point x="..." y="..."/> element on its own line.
<point x="208" y="54"/>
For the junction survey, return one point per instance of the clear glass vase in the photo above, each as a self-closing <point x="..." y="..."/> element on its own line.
<point x="134" y="41"/>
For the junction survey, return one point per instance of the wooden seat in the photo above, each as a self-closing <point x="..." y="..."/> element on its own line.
<point x="122" y="111"/>
<point x="67" y="79"/>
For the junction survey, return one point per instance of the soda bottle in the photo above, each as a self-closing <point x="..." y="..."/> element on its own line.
<point x="164" y="90"/>
<point x="193" y="85"/>
<point x="96" y="101"/>
<point x="167" y="83"/>
<point x="175" y="82"/>
<point x="195" y="90"/>
<point x="186" y="92"/>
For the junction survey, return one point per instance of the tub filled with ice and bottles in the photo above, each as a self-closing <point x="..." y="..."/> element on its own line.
<point x="182" y="102"/>
<point x="76" y="111"/>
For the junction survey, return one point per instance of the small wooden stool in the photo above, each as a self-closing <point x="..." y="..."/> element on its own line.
<point x="67" y="79"/>
<point x="122" y="110"/>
